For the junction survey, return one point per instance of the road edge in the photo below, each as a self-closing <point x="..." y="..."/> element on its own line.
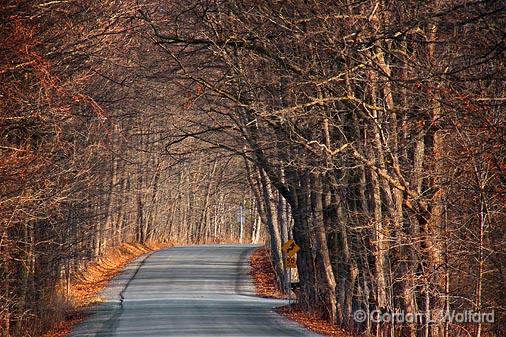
<point x="106" y="298"/>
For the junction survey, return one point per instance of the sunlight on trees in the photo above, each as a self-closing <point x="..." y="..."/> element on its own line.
<point x="371" y="132"/>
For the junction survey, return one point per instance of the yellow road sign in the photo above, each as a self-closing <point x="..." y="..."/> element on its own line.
<point x="291" y="262"/>
<point x="290" y="248"/>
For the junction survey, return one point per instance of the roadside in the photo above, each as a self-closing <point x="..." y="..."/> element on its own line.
<point x="264" y="279"/>
<point x="263" y="275"/>
<point x="85" y="290"/>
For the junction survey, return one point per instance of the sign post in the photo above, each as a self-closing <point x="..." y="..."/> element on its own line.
<point x="289" y="286"/>
<point x="291" y="249"/>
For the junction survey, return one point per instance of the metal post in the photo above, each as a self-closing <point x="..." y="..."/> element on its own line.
<point x="289" y="286"/>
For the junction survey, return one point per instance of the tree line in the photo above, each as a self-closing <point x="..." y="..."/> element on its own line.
<point x="370" y="132"/>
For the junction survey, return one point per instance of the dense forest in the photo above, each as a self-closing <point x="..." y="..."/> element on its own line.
<point x="371" y="132"/>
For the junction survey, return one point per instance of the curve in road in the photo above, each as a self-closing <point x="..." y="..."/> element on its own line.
<point x="188" y="291"/>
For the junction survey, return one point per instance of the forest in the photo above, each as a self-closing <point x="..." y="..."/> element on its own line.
<point x="371" y="132"/>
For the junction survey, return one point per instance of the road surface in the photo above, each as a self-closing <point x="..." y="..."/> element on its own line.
<point x="188" y="291"/>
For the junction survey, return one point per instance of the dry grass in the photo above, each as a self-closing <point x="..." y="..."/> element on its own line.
<point x="84" y="290"/>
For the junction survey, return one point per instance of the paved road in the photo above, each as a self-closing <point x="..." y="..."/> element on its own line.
<point x="188" y="291"/>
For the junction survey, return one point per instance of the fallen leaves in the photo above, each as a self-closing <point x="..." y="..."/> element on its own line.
<point x="311" y="320"/>
<point x="263" y="275"/>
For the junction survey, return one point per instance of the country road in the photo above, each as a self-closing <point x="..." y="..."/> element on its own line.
<point x="188" y="291"/>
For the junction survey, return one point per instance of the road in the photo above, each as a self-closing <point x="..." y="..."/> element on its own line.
<point x="188" y="291"/>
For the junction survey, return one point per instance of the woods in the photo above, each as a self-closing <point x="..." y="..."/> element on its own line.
<point x="373" y="133"/>
<point x="84" y="165"/>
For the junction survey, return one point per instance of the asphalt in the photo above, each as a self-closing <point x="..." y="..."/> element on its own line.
<point x="188" y="291"/>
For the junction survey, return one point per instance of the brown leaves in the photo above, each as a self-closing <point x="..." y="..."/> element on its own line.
<point x="263" y="275"/>
<point x="311" y="320"/>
